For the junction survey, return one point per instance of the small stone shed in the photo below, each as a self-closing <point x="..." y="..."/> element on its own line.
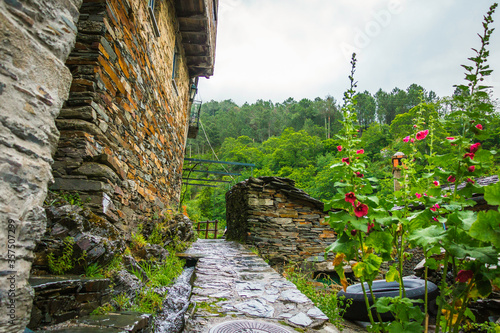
<point x="283" y="222"/>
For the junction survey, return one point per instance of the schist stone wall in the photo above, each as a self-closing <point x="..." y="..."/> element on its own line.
<point x="282" y="221"/>
<point x="36" y="37"/>
<point x="124" y="125"/>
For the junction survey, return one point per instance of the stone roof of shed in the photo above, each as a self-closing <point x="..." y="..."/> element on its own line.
<point x="283" y="185"/>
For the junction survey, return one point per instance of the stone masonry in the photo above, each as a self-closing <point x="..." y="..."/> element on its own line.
<point x="284" y="223"/>
<point x="124" y="126"/>
<point x="35" y="39"/>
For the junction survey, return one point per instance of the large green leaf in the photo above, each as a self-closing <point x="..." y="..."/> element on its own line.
<point x="463" y="219"/>
<point x="345" y="245"/>
<point x="369" y="268"/>
<point x="487" y="228"/>
<point x="486" y="254"/>
<point x="492" y="194"/>
<point x="381" y="242"/>
<point x="427" y="237"/>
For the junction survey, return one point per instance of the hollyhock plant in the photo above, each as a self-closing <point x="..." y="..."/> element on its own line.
<point x="470" y="181"/>
<point x="354" y="232"/>
<point x="370" y="226"/>
<point x="359" y="174"/>
<point x="471" y="168"/>
<point x="350" y="197"/>
<point x="450" y="138"/>
<point x="474" y="148"/>
<point x="479" y="126"/>
<point x="412" y="140"/>
<point x="339" y="148"/>
<point x="418" y="195"/>
<point x="361" y="209"/>
<point x="422" y="135"/>
<point x="345" y="160"/>
<point x="451" y="179"/>
<point x="406" y="139"/>
<point x="436" y="183"/>
<point x="361" y="151"/>
<point x="464" y="275"/>
<point x="435" y="207"/>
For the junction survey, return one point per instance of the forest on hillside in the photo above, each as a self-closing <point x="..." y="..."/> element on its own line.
<point x="297" y="140"/>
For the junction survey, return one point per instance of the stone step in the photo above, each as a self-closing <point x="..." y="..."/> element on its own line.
<point x="128" y="321"/>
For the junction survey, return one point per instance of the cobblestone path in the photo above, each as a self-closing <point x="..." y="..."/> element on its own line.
<point x="233" y="284"/>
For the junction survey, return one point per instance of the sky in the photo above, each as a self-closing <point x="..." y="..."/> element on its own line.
<point x="276" y="49"/>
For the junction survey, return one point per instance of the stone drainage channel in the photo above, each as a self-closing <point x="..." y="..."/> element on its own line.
<point x="236" y="291"/>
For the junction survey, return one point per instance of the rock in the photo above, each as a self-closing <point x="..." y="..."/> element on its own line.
<point x="132" y="266"/>
<point x="293" y="295"/>
<point x="126" y="282"/>
<point x="256" y="307"/>
<point x="301" y="319"/>
<point x="151" y="252"/>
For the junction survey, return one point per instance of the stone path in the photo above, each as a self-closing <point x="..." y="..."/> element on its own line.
<point x="234" y="284"/>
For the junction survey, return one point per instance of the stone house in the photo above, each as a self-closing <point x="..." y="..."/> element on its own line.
<point x="283" y="222"/>
<point x="119" y="76"/>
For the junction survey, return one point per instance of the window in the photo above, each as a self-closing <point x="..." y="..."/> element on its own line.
<point x="175" y="67"/>
<point x="152" y="9"/>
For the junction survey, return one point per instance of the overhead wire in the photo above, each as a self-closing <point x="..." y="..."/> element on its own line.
<point x="213" y="151"/>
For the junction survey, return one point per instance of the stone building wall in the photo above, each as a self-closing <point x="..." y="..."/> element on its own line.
<point x="284" y="223"/>
<point x="36" y="37"/>
<point x="124" y="126"/>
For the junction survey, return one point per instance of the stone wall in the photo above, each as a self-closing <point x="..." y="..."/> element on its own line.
<point x="284" y="223"/>
<point x="124" y="126"/>
<point x="36" y="37"/>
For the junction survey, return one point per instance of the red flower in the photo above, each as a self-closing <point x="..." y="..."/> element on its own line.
<point x="469" y="155"/>
<point x="471" y="168"/>
<point x="450" y="138"/>
<point x="412" y="140"/>
<point x="422" y="134"/>
<point x="350" y="197"/>
<point x="354" y="232"/>
<point x="436" y="183"/>
<point x="435" y="207"/>
<point x="474" y="147"/>
<point x="360" y="210"/>
<point x="479" y="126"/>
<point x="370" y="226"/>
<point x="346" y="160"/>
<point x="470" y="181"/>
<point x="451" y="179"/>
<point x="435" y="219"/>
<point x="361" y="151"/>
<point x="359" y="174"/>
<point x="464" y="275"/>
<point x="406" y="139"/>
<point x="339" y="148"/>
<point x="418" y="195"/>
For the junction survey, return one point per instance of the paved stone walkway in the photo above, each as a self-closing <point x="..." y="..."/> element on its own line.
<point x="232" y="283"/>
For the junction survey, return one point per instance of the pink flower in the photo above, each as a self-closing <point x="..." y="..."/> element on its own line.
<point x="435" y="219"/>
<point x="450" y="138"/>
<point x="470" y="181"/>
<point x="370" y="226"/>
<point x="474" y="147"/>
<point x="359" y="174"/>
<point x="361" y="151"/>
<point x="350" y="197"/>
<point x="339" y="148"/>
<point x="464" y="275"/>
<point x="451" y="179"/>
<point x="469" y="155"/>
<point x="435" y="207"/>
<point x="360" y="210"/>
<point x="479" y="126"/>
<point x="345" y="160"/>
<point x="436" y="183"/>
<point x="418" y="195"/>
<point x="471" y="168"/>
<point x="422" y="134"/>
<point x="406" y="139"/>
<point x="412" y="140"/>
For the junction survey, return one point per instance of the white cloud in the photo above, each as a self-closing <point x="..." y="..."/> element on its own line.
<point x="275" y="49"/>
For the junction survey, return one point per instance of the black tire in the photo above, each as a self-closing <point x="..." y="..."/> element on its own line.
<point x="415" y="289"/>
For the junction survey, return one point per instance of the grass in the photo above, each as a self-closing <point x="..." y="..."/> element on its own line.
<point x="325" y="299"/>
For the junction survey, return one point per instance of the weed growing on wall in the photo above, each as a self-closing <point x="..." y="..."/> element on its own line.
<point x="434" y="218"/>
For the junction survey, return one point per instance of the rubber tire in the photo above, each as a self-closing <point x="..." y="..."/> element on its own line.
<point x="415" y="289"/>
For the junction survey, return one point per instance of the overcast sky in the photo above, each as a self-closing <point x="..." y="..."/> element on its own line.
<point x="276" y="49"/>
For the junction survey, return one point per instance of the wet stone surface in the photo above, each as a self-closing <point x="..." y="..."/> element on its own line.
<point x="232" y="283"/>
